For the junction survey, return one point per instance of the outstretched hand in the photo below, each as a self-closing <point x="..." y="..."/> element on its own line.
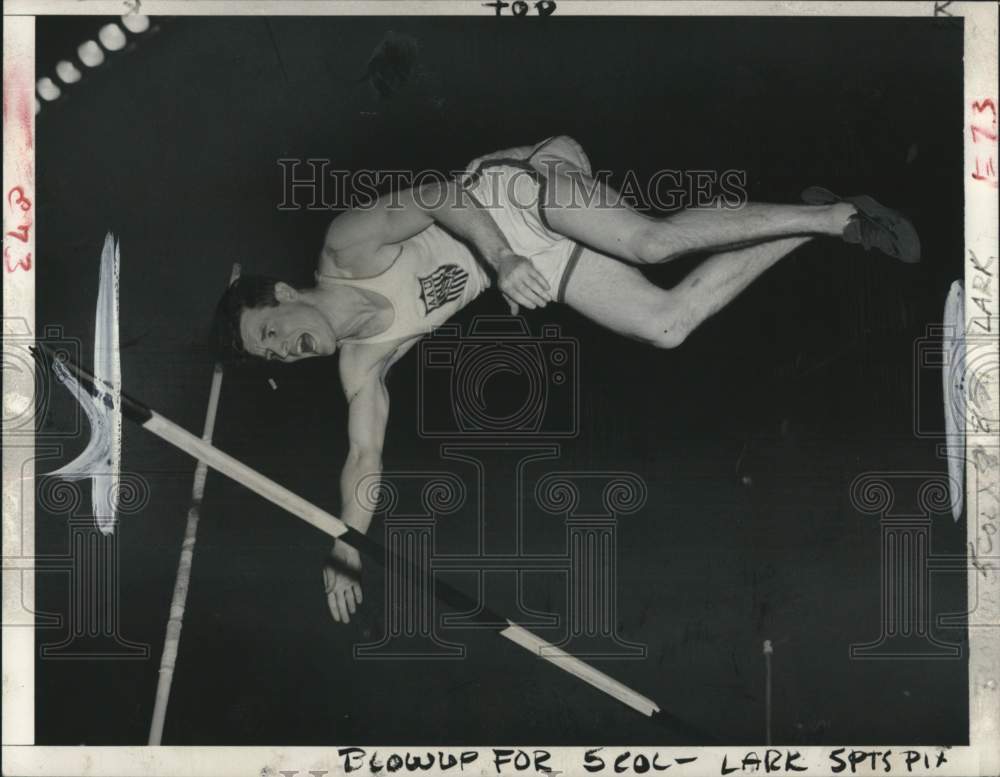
<point x="521" y="283"/>
<point x="342" y="581"/>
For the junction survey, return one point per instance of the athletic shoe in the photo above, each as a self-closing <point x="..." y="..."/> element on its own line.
<point x="873" y="226"/>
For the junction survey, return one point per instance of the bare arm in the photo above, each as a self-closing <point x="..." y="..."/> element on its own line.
<point x="355" y="236"/>
<point x="396" y="216"/>
<point x="368" y="414"/>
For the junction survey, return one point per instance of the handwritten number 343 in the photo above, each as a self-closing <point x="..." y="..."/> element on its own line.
<point x="17" y="200"/>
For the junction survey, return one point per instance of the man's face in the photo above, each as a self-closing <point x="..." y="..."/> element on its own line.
<point x="289" y="331"/>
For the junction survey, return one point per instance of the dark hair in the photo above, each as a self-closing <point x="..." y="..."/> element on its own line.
<point x="245" y="293"/>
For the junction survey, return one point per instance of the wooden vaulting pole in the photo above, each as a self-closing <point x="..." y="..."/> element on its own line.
<point x="172" y="638"/>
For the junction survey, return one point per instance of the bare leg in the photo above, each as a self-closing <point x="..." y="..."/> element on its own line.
<point x="573" y="209"/>
<point x="619" y="297"/>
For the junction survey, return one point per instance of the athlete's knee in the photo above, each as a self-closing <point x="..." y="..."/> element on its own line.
<point x="670" y="335"/>
<point x="656" y="241"/>
<point x="669" y="324"/>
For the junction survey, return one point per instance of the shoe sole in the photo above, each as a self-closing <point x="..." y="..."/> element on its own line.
<point x="906" y="238"/>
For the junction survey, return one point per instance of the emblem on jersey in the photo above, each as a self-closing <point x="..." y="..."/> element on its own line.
<point x="442" y="286"/>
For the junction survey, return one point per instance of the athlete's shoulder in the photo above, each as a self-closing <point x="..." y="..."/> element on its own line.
<point x="357" y="262"/>
<point x="361" y="363"/>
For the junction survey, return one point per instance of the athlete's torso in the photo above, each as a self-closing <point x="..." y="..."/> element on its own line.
<point x="432" y="277"/>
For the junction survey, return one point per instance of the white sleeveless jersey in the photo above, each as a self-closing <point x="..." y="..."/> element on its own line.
<point x="433" y="277"/>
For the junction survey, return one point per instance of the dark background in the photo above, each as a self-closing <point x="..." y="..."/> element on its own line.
<point x="748" y="437"/>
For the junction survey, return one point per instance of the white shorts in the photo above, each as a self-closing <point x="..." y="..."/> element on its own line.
<point x="513" y="191"/>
